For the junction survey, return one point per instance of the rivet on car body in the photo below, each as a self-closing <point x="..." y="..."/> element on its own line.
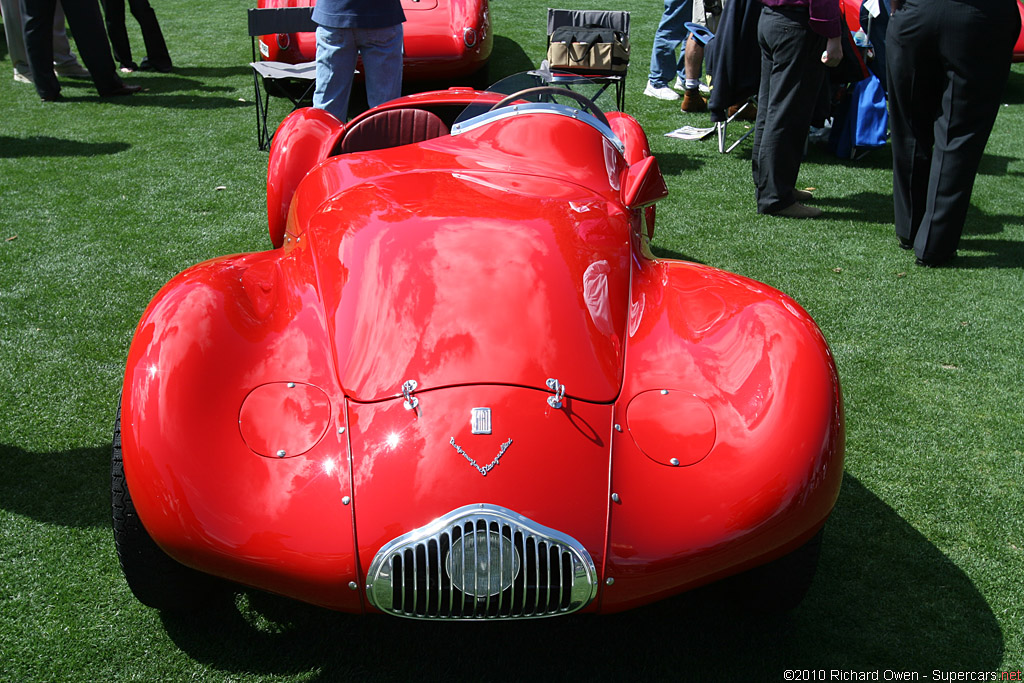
<point x="615" y="498"/>
<point x="281" y="453"/>
<point x="353" y="585"/>
<point x="341" y="430"/>
<point x="346" y="500"/>
<point x="618" y="428"/>
<point x="674" y="462"/>
<point x="664" y="392"/>
<point x="291" y="385"/>
<point x="610" y="581"/>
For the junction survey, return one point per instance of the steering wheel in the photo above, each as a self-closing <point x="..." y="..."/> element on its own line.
<point x="587" y="103"/>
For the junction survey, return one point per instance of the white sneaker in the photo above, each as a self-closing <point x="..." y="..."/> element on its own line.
<point x="680" y="85"/>
<point x="662" y="93"/>
<point x="73" y="69"/>
<point x="21" y="78"/>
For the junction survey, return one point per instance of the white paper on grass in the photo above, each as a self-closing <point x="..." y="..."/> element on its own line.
<point x="690" y="133"/>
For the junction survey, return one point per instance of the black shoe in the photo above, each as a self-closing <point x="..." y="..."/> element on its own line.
<point x="904" y="242"/>
<point x="122" y="90"/>
<point x="55" y="97"/>
<point x="935" y="263"/>
<point x="146" y="65"/>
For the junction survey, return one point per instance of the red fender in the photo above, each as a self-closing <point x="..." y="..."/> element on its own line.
<point x="1018" y="48"/>
<point x="729" y="446"/>
<point x="304" y="139"/>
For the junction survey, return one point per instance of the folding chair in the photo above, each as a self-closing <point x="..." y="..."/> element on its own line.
<point x="614" y="20"/>
<point x="733" y="60"/>
<point x="294" y="82"/>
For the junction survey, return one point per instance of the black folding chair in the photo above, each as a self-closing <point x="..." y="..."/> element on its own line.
<point x="615" y="20"/>
<point x="294" y="82"/>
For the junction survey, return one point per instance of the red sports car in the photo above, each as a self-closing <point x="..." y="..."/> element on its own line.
<point x="460" y="386"/>
<point x="443" y="39"/>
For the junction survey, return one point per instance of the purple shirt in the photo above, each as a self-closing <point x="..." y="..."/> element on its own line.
<point x="824" y="14"/>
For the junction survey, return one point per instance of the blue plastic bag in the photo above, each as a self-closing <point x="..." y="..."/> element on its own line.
<point x="862" y="121"/>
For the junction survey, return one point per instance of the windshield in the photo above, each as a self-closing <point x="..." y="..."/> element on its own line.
<point x="543" y="91"/>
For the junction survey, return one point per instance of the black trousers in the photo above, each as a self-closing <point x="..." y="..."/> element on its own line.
<point x="86" y="24"/>
<point x="792" y="74"/>
<point x="947" y="64"/>
<point x="152" y="36"/>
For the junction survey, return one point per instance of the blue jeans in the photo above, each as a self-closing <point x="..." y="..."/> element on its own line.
<point x="336" y="52"/>
<point x="671" y="34"/>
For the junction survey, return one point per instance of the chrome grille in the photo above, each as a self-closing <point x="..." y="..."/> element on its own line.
<point x="481" y="562"/>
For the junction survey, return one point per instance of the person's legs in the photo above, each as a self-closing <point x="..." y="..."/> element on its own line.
<point x="670" y="35"/>
<point x="381" y="49"/>
<point x="157" y="56"/>
<point x="37" y="17"/>
<point x="86" y="22"/>
<point x="693" y="56"/>
<point x="65" y="63"/>
<point x="915" y="86"/>
<point x="975" y="42"/>
<point x="791" y="63"/>
<point x="764" y="95"/>
<point x="335" y="66"/>
<point x="114" y="16"/>
<point x="15" y="33"/>
<point x="693" y="60"/>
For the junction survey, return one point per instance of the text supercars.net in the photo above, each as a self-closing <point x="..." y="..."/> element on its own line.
<point x="896" y="675"/>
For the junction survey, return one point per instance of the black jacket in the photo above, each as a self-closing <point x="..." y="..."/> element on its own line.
<point x="733" y="57"/>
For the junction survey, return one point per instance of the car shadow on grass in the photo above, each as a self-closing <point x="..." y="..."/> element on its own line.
<point x="884" y="598"/>
<point x="47" y="146"/>
<point x="69" y="489"/>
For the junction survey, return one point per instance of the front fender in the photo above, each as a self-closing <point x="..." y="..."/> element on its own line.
<point x="211" y="367"/>
<point x="730" y="447"/>
<point x="305" y="138"/>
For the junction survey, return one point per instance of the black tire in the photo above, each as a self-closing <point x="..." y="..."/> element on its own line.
<point x="156" y="580"/>
<point x="778" y="586"/>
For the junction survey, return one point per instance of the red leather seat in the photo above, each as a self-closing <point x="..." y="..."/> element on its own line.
<point x="391" y="128"/>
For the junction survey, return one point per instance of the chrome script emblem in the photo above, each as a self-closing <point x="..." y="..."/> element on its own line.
<point x="486" y="468"/>
<point x="480" y="420"/>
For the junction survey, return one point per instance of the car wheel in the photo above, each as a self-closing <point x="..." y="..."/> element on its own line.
<point x="155" y="579"/>
<point x="780" y="585"/>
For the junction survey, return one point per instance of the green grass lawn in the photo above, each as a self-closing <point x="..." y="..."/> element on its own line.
<point x="101" y="202"/>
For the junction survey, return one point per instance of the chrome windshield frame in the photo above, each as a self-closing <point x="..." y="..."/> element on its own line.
<point x="554" y="108"/>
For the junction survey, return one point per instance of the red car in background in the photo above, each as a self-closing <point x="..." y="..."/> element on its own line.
<point x="444" y="39"/>
<point x="852" y="13"/>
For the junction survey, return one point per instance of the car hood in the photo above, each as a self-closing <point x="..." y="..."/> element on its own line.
<point x="454" y="278"/>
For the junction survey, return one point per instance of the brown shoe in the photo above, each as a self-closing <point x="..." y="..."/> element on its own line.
<point x="748" y="113"/>
<point x="798" y="210"/>
<point x="693" y="102"/>
<point x="802" y="195"/>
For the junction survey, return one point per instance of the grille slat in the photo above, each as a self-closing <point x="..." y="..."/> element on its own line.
<point x="522" y="570"/>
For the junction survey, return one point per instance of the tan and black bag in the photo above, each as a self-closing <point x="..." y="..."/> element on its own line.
<point x="588" y="49"/>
